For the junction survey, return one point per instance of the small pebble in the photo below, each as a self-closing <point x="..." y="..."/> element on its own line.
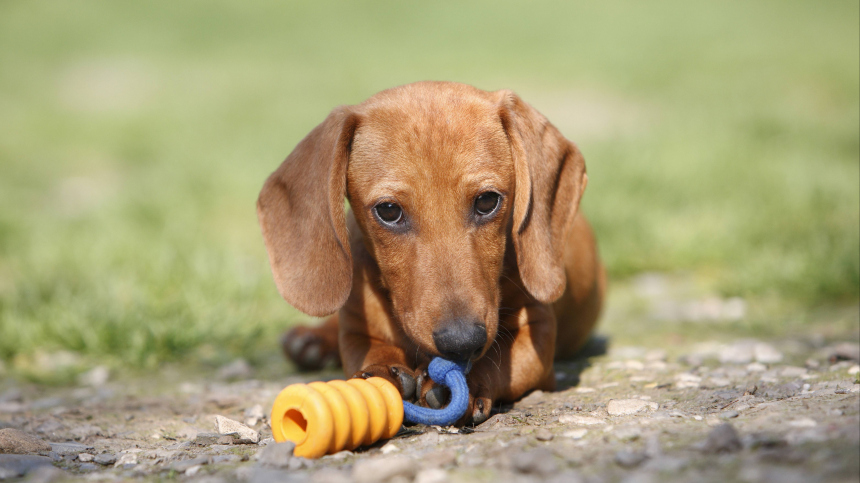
<point x="575" y="433"/>
<point x="722" y="439"/>
<point x="86" y="457"/>
<point x="629" y="459"/>
<point x="386" y="468"/>
<point x="767" y="354"/>
<point x="432" y="475"/>
<point x="540" y="462"/>
<point x="579" y="420"/>
<point x="728" y="414"/>
<point x="623" y="407"/>
<point x="126" y="461"/>
<point x="105" y="459"/>
<point x="543" y="434"/>
<point x="803" y="423"/>
<point x="389" y="448"/>
<point x="227" y="426"/>
<point x="276" y="455"/>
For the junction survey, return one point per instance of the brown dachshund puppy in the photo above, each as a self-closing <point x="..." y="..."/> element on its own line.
<point x="463" y="241"/>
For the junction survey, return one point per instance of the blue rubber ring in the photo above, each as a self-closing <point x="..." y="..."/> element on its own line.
<point x="452" y="375"/>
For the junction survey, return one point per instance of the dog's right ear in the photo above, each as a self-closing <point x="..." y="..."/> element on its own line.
<point x="301" y="213"/>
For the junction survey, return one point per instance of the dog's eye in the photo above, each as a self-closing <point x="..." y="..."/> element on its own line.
<point x="486" y="203"/>
<point x="389" y="213"/>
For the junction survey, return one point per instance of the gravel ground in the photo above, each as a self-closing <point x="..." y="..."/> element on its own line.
<point x="742" y="411"/>
<point x="779" y="410"/>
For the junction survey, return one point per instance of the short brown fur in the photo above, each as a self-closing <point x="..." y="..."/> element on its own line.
<point x="530" y="274"/>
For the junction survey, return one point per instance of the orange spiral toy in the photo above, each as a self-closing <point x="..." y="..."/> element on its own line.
<point x="327" y="417"/>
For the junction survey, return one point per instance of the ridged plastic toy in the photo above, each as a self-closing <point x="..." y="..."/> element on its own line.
<point x="326" y="417"/>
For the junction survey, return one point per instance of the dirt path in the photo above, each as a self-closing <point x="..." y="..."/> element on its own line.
<point x="742" y="411"/>
<point x="690" y="402"/>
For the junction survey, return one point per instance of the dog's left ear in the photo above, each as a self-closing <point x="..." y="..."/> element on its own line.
<point x="550" y="179"/>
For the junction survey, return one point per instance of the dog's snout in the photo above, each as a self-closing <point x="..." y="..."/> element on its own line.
<point x="460" y="340"/>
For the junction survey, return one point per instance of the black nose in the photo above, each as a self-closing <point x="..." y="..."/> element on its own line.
<point x="460" y="340"/>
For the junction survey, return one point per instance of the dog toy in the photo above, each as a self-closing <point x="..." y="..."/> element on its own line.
<point x="327" y="417"/>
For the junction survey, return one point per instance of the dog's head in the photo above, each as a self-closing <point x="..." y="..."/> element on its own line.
<point x="441" y="178"/>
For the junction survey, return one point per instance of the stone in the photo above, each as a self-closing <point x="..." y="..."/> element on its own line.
<point x="105" y="459"/>
<point x="238" y="369"/>
<point x="742" y="352"/>
<point x="298" y="463"/>
<point x="206" y="439"/>
<point x="431" y="475"/>
<point x="85" y="457"/>
<point x="793" y="371"/>
<point x="722" y="439"/>
<point x="666" y="464"/>
<point x="567" y="476"/>
<point x="46" y="474"/>
<point x="656" y="355"/>
<point x="846" y="351"/>
<point x="803" y="423"/>
<point x="789" y="389"/>
<point x="627" y="433"/>
<point x="193" y="470"/>
<point x="69" y="449"/>
<point x="533" y="398"/>
<point x="806" y="435"/>
<point x="126" y="460"/>
<point x="383" y="469"/>
<point x="728" y="414"/>
<point x="182" y="466"/>
<point x="624" y="407"/>
<point x="439" y="459"/>
<point x="766" y="354"/>
<point x="686" y="380"/>
<point x="575" y="433"/>
<point x="276" y="455"/>
<point x="15" y="441"/>
<point x="629" y="459"/>
<point x="86" y="431"/>
<point x="254" y="414"/>
<point x="96" y="377"/>
<point x="579" y="420"/>
<point x="15" y="465"/>
<point x="543" y="434"/>
<point x="227" y="426"/>
<point x="339" y="456"/>
<point x="331" y="475"/>
<point x="389" y="447"/>
<point x="539" y="462"/>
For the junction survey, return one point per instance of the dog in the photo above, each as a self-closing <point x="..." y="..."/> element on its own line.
<point x="462" y="240"/>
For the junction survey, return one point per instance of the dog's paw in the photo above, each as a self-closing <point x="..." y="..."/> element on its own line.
<point x="480" y="405"/>
<point x="402" y="378"/>
<point x="310" y="348"/>
<point x="436" y="396"/>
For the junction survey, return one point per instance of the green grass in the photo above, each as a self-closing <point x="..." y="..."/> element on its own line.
<point x="721" y="139"/>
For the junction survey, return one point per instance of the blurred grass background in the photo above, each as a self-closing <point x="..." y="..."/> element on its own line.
<point x="721" y="139"/>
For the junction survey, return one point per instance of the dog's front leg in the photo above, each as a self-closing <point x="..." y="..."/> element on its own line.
<point x="519" y="360"/>
<point x="365" y="356"/>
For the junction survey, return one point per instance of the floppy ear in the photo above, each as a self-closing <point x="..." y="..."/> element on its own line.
<point x="301" y="213"/>
<point x="550" y="178"/>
